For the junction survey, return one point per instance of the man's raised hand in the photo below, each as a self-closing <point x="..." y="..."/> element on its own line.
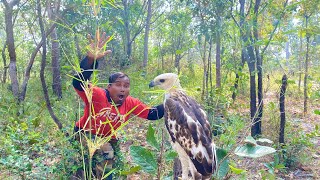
<point x="96" y="49"/>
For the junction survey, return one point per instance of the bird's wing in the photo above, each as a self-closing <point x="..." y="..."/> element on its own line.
<point x="187" y="124"/>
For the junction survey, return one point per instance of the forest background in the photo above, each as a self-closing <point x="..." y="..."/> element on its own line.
<point x="254" y="66"/>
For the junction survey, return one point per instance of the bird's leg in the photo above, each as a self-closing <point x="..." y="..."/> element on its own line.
<point x="185" y="167"/>
<point x="191" y="169"/>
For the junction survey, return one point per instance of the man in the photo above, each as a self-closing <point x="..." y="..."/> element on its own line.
<point x="107" y="109"/>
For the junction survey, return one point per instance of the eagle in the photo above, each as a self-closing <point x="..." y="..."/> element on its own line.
<point x="188" y="127"/>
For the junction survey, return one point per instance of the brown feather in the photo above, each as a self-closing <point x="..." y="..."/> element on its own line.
<point x="194" y="133"/>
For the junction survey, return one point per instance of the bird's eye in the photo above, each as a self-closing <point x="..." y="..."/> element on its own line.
<point x="162" y="80"/>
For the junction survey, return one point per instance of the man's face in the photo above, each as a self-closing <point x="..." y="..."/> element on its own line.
<point x="119" y="90"/>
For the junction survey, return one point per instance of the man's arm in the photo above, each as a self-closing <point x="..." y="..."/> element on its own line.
<point x="86" y="66"/>
<point x="156" y="112"/>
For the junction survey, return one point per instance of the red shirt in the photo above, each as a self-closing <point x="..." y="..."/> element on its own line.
<point x="105" y="114"/>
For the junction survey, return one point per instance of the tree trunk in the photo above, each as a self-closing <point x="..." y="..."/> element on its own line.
<point x="126" y="27"/>
<point x="177" y="58"/>
<point x="300" y="64"/>
<point x="204" y="69"/>
<point x="239" y="71"/>
<point x="255" y="129"/>
<point x="76" y="41"/>
<point x="218" y="54"/>
<point x="146" y="35"/>
<point x="248" y="54"/>
<point x="5" y="66"/>
<point x="260" y="92"/>
<point x="243" y="58"/>
<point x="305" y="83"/>
<point x="11" y="48"/>
<point x="259" y="69"/>
<point x="55" y="55"/>
<point x="282" y="108"/>
<point x="209" y="72"/>
<point x="43" y="65"/>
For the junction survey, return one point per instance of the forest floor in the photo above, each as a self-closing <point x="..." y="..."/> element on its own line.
<point x="308" y="158"/>
<point x="307" y="166"/>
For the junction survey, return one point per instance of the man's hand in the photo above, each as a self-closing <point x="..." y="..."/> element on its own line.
<point x="96" y="49"/>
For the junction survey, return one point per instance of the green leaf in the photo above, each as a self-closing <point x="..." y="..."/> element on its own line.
<point x="317" y="112"/>
<point x="270" y="167"/>
<point x="171" y="155"/>
<point x="131" y="170"/>
<point x="264" y="140"/>
<point x="291" y="82"/>
<point x="151" y="139"/>
<point x="66" y="67"/>
<point x="179" y="51"/>
<point x="36" y="121"/>
<point x="236" y="170"/>
<point x="106" y="175"/>
<point x="223" y="163"/>
<point x="248" y="150"/>
<point x="280" y="166"/>
<point x="251" y="141"/>
<point x="24" y="126"/>
<point x="144" y="158"/>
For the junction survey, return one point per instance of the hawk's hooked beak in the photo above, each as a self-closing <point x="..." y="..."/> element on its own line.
<point x="152" y="84"/>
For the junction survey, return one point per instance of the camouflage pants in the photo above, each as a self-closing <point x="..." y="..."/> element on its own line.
<point x="104" y="159"/>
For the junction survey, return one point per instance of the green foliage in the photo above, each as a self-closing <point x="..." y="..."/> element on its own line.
<point x="230" y="130"/>
<point x="298" y="147"/>
<point x="275" y="165"/>
<point x="223" y="162"/>
<point x="131" y="170"/>
<point x="315" y="133"/>
<point x="151" y="139"/>
<point x="170" y="155"/>
<point x="145" y="158"/>
<point x="18" y="164"/>
<point x="236" y="170"/>
<point x="31" y="147"/>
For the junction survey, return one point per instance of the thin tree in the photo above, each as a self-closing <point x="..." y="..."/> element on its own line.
<point x="203" y="57"/>
<point x="282" y="108"/>
<point x="132" y="27"/>
<point x="5" y="66"/>
<point x="300" y="59"/>
<point x="307" y="9"/>
<point x="11" y="47"/>
<point x="243" y="60"/>
<point x="146" y="35"/>
<point x="219" y="9"/>
<point x="43" y="66"/>
<point x="306" y="73"/>
<point x="55" y="50"/>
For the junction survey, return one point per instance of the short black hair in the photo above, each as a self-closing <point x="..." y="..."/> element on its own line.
<point x="114" y="76"/>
